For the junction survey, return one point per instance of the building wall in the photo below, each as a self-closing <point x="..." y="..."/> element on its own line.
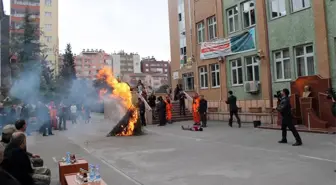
<point x="301" y="28"/>
<point x="153" y="66"/>
<point x="330" y="7"/>
<point x="116" y="65"/>
<point x="136" y="64"/>
<point x="88" y="63"/>
<point x="49" y="16"/>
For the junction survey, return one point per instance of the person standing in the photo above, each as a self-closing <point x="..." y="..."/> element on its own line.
<point x="169" y="107"/>
<point x="232" y="102"/>
<point x="152" y="104"/>
<point x="142" y="110"/>
<point x="177" y="91"/>
<point x="161" y="109"/>
<point x="182" y="98"/>
<point x="203" y="111"/>
<point x="62" y="116"/>
<point x="195" y="109"/>
<point x="73" y="110"/>
<point x="285" y="110"/>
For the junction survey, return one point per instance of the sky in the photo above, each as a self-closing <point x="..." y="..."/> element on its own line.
<point x="139" y="26"/>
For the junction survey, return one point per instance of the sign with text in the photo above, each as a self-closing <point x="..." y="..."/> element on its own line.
<point x="229" y="46"/>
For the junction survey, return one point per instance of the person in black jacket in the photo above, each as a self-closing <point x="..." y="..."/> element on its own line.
<point x="203" y="110"/>
<point x="232" y="102"/>
<point x="16" y="161"/>
<point x="142" y="110"/>
<point x="182" y="98"/>
<point x="161" y="109"/>
<point x="7" y="179"/>
<point x="152" y="104"/>
<point x="285" y="110"/>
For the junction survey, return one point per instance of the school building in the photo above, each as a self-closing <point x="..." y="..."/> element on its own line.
<point x="253" y="48"/>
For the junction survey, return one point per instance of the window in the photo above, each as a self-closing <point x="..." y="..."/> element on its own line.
<point x="248" y="14"/>
<point x="184" y="54"/>
<point x="47" y="14"/>
<point x="300" y="4"/>
<point x="180" y="17"/>
<point x="48" y="2"/>
<point x="215" y="75"/>
<point x="47" y="27"/>
<point x="48" y="38"/>
<point x="282" y="65"/>
<point x="252" y="69"/>
<point x="200" y="32"/>
<point x="212" y="28"/>
<point x="277" y="8"/>
<point x="146" y="64"/>
<point x="188" y="81"/>
<point x="203" y="77"/>
<point x="146" y="70"/>
<point x="304" y="56"/>
<point x="233" y="20"/>
<point x="236" y="72"/>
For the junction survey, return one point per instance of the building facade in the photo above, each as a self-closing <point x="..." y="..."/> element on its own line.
<point x="153" y="80"/>
<point x="90" y="61"/>
<point x="151" y="65"/>
<point x="45" y="14"/>
<point x="123" y="63"/>
<point x="292" y="38"/>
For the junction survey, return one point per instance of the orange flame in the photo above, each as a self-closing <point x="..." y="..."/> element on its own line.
<point x="123" y="92"/>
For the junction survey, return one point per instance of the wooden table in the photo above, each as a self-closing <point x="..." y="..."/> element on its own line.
<point x="70" y="179"/>
<point x="65" y="168"/>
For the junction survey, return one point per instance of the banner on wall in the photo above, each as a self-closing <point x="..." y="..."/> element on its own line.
<point x="229" y="46"/>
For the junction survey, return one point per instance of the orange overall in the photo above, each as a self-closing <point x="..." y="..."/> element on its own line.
<point x="53" y="114"/>
<point x="195" y="106"/>
<point x="169" y="107"/>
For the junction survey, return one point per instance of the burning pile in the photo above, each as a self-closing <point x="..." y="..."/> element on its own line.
<point x="129" y="125"/>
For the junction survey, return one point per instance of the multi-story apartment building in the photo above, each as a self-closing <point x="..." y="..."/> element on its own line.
<point x="89" y="61"/>
<point x="45" y="13"/>
<point x="125" y="63"/>
<point x="152" y="66"/>
<point x="226" y="44"/>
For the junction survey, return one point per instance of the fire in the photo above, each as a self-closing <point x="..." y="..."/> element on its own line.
<point x="123" y="92"/>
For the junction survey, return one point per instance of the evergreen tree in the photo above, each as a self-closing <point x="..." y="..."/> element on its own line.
<point x="68" y="71"/>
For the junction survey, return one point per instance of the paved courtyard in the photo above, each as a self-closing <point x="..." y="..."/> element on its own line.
<point x="220" y="155"/>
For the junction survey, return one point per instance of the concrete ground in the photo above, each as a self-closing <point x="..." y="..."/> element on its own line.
<point x="220" y="155"/>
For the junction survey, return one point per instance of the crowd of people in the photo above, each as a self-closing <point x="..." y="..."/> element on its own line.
<point x="42" y="115"/>
<point x="17" y="165"/>
<point x="162" y="106"/>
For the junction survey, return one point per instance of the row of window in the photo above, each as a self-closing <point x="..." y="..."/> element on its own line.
<point x="304" y="61"/>
<point x="212" y="29"/>
<point x="278" y="7"/>
<point x="215" y="76"/>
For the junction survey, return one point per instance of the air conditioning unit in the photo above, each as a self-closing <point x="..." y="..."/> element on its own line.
<point x="251" y="86"/>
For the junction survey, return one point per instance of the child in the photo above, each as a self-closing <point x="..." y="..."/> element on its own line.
<point x="193" y="128"/>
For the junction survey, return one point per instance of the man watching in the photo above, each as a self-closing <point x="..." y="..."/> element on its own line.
<point x="35" y="159"/>
<point x="6" y="136"/>
<point x="16" y="162"/>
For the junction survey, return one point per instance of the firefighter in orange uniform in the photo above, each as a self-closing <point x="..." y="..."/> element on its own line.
<point x="169" y="107"/>
<point x="195" y="107"/>
<point x="53" y="114"/>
